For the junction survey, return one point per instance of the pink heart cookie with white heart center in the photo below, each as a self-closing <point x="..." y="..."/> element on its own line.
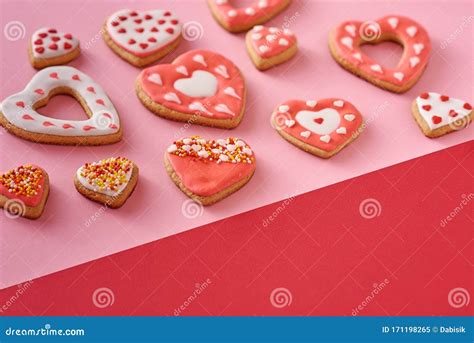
<point x="142" y="37"/>
<point x="50" y="47"/>
<point x="238" y="19"/>
<point x="438" y="114"/>
<point x="199" y="87"/>
<point x="320" y="127"/>
<point x="346" y="39"/>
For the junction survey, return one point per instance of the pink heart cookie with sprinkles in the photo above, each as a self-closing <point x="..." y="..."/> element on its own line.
<point x="199" y="87"/>
<point x="142" y="37"/>
<point x="439" y="114"/>
<point x="49" y="47"/>
<point x="238" y="19"/>
<point x="24" y="191"/>
<point x="207" y="171"/>
<point x="270" y="46"/>
<point x="345" y="41"/>
<point x="322" y="127"/>
<point x="109" y="181"/>
<point x="19" y="115"/>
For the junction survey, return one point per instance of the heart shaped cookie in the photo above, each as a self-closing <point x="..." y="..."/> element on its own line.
<point x="142" y="37"/>
<point x="110" y="181"/>
<point x="345" y="41"/>
<point x="199" y="87"/>
<point x="50" y="47"/>
<point x="270" y="46"/>
<point x="438" y="114"/>
<point x="321" y="127"/>
<point x="24" y="191"/>
<point x="238" y="19"/>
<point x="19" y="116"/>
<point x="209" y="170"/>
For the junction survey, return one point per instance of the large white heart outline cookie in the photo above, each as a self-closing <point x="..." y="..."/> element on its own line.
<point x="19" y="115"/>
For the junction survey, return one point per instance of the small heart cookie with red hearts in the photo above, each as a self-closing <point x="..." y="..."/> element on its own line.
<point x="345" y="41"/>
<point x="142" y="37"/>
<point x="270" y="46"/>
<point x="19" y="115"/>
<point x="238" y="19"/>
<point x="438" y="114"/>
<point x="110" y="181"/>
<point x="49" y="47"/>
<point x="199" y="87"/>
<point x="207" y="171"/>
<point x="321" y="127"/>
<point x="24" y="191"/>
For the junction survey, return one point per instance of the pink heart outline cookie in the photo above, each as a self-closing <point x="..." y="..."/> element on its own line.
<point x="345" y="41"/>
<point x="322" y="127"/>
<point x="438" y="114"/>
<point x="199" y="87"/>
<point x="235" y="19"/>
<point x="18" y="113"/>
<point x="142" y="37"/>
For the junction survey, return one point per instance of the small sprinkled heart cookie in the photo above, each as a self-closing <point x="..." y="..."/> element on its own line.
<point x="50" y="47"/>
<point x="142" y="37"/>
<point x="19" y="116"/>
<point x="238" y="19"/>
<point x="270" y="46"/>
<point x="24" y="191"/>
<point x="438" y="114"/>
<point x="346" y="39"/>
<point x="110" y="181"/>
<point x="209" y="170"/>
<point x="199" y="87"/>
<point x="321" y="127"/>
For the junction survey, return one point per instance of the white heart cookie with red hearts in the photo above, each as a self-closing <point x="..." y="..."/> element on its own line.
<point x="270" y="46"/>
<point x="19" y="116"/>
<point x="50" y="47"/>
<point x="142" y="37"/>
<point x="320" y="127"/>
<point x="345" y="41"/>
<point x="439" y="114"/>
<point x="238" y="19"/>
<point x="199" y="87"/>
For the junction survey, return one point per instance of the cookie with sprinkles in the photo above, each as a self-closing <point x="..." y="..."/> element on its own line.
<point x="24" y="191"/>
<point x="207" y="171"/>
<point x="109" y="181"/>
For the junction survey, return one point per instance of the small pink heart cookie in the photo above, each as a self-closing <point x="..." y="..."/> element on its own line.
<point x="321" y="127"/>
<point x="345" y="41"/>
<point x="238" y="19"/>
<point x="50" y="47"/>
<point x="142" y="37"/>
<point x="199" y="87"/>
<point x="270" y="46"/>
<point x="439" y="114"/>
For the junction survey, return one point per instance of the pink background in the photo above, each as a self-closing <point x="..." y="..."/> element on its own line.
<point x="61" y="238"/>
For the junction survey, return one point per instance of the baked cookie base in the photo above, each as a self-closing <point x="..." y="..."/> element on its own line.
<point x="267" y="63"/>
<point x="40" y="63"/>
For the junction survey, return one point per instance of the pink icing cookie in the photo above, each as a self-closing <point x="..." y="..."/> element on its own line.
<point x="142" y="37"/>
<point x="19" y="116"/>
<point x="345" y="41"/>
<point x="270" y="46"/>
<point x="238" y="19"/>
<point x="320" y="127"/>
<point x="200" y="87"/>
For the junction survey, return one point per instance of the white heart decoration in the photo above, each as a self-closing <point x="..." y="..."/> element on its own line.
<point x="330" y="120"/>
<point x="201" y="84"/>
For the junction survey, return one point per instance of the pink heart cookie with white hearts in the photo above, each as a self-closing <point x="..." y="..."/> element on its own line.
<point x="345" y="41"/>
<point x="50" y="47"/>
<point x="142" y="37"/>
<point x="439" y="114"/>
<point x="270" y="46"/>
<point x="199" y="87"/>
<point x="321" y="127"/>
<point x="238" y="19"/>
<point x="18" y="113"/>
